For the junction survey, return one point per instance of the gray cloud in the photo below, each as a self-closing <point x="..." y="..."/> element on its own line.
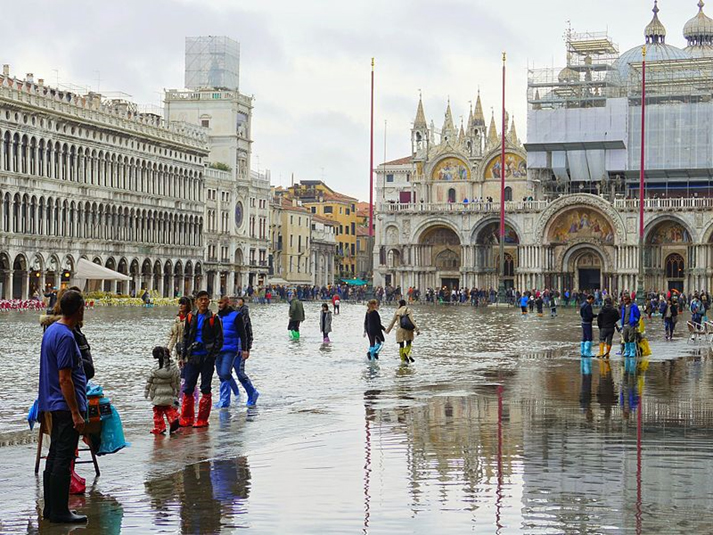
<point x="308" y="63"/>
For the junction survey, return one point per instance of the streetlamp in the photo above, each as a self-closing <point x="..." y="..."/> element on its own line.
<point x="640" y="283"/>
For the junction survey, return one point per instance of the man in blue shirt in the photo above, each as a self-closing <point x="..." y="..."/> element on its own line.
<point x="62" y="393"/>
<point x="630" y="316"/>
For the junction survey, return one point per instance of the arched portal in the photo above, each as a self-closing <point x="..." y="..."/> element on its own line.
<point x="123" y="268"/>
<point x="19" y="277"/>
<point x="666" y="250"/>
<point x="441" y="248"/>
<point x="5" y="273"/>
<point x="486" y="239"/>
<point x="584" y="269"/>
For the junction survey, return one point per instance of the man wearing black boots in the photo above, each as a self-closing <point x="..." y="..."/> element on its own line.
<point x="62" y="393"/>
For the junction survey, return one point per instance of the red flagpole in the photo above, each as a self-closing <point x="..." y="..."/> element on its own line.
<point x="371" y="158"/>
<point x="643" y="144"/>
<point x="640" y="287"/>
<point x="502" y="169"/>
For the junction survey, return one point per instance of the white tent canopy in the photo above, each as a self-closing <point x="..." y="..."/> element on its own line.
<point x="87" y="270"/>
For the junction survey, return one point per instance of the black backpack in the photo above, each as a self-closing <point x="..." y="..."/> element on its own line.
<point x="406" y="323"/>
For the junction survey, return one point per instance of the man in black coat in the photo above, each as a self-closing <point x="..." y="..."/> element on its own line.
<point x="607" y="321"/>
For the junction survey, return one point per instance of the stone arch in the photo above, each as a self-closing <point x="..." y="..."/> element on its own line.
<point x="659" y="224"/>
<point x="391" y="234"/>
<point x="484" y="226"/>
<point x="576" y="250"/>
<point x="572" y="202"/>
<point x="432" y="223"/>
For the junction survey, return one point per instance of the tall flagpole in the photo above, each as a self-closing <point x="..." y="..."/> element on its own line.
<point x="640" y="288"/>
<point x="501" y="282"/>
<point x="371" y="158"/>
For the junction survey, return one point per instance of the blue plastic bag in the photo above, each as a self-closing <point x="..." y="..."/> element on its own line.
<point x="112" y="435"/>
<point x="33" y="414"/>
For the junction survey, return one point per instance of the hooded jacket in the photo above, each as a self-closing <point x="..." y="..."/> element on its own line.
<point x="607" y="318"/>
<point x="163" y="384"/>
<point x="297" y="311"/>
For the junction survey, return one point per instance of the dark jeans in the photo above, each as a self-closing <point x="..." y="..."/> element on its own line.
<point x="587" y="332"/>
<point x="606" y="336"/>
<point x="670" y="325"/>
<point x="205" y="366"/>
<point x="63" y="445"/>
<point x="294" y="325"/>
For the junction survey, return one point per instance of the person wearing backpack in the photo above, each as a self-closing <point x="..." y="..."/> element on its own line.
<point x="202" y="342"/>
<point x="405" y="329"/>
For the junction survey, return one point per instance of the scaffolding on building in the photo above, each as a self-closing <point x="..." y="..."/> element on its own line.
<point x="584" y="82"/>
<point x="671" y="81"/>
<point x="212" y="62"/>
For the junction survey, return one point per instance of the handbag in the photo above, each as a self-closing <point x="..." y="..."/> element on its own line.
<point x="406" y="323"/>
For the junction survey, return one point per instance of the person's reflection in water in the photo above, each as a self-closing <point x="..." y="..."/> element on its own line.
<point x="605" y="389"/>
<point x="200" y="513"/>
<point x="633" y="384"/>
<point x="163" y="493"/>
<point x="107" y="516"/>
<point x="585" y="395"/>
<point x="231" y="489"/>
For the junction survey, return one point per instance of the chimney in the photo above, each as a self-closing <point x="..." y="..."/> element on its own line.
<point x="30" y="78"/>
<point x="6" y="69"/>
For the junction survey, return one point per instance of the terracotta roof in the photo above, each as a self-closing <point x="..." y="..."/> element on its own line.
<point x="400" y="161"/>
<point x="325" y="220"/>
<point x="287" y="205"/>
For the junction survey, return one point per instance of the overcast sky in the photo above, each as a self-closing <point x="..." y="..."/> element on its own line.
<point x="307" y="63"/>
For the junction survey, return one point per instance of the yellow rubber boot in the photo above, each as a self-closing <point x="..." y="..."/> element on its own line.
<point x="402" y="354"/>
<point x="606" y="355"/>
<point x="601" y="350"/>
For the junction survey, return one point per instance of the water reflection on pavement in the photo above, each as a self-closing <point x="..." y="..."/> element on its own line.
<point x="499" y="427"/>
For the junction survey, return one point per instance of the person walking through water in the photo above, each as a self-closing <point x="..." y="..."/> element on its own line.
<point x="607" y="321"/>
<point x="405" y="329"/>
<point x="587" y="314"/>
<point x="162" y="388"/>
<point x="175" y="340"/>
<point x="237" y="343"/>
<point x="325" y="323"/>
<point x="524" y="300"/>
<point x="669" y="313"/>
<point x="630" y="317"/>
<point x="62" y="393"/>
<point x="373" y="329"/>
<point x="202" y="341"/>
<point x="297" y="316"/>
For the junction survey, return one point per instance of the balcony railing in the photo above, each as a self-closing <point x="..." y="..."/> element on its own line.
<point x="461" y="207"/>
<point x="664" y="203"/>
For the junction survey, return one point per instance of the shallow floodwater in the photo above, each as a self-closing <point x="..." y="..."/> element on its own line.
<point x="494" y="429"/>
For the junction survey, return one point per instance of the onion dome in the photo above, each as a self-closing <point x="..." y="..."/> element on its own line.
<point x="699" y="30"/>
<point x="655" y="32"/>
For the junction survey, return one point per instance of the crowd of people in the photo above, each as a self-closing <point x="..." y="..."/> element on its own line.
<point x="198" y="344"/>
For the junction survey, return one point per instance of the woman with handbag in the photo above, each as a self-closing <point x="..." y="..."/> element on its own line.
<point x="405" y="329"/>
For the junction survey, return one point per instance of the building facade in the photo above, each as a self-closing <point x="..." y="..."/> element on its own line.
<point x="291" y="242"/>
<point x="574" y="222"/>
<point x="86" y="177"/>
<point x="324" y="249"/>
<point x="237" y="203"/>
<point x="321" y="200"/>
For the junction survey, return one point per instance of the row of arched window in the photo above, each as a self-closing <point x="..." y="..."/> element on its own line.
<point x="24" y="214"/>
<point x="29" y="155"/>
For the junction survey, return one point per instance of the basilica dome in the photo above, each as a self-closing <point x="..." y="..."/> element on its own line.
<point x="656" y="50"/>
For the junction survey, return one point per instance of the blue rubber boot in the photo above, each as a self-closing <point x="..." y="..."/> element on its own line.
<point x="581" y="349"/>
<point x="630" y="365"/>
<point x="377" y="349"/>
<point x="370" y="352"/>
<point x="588" y="350"/>
<point x="252" y="399"/>
<point x="224" y="399"/>
<point x="585" y="366"/>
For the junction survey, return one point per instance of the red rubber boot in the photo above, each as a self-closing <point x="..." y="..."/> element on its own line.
<point x="188" y="411"/>
<point x="159" y="426"/>
<point x="203" y="411"/>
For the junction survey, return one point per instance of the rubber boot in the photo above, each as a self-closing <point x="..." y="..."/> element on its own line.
<point x="377" y="348"/>
<point x="326" y="340"/>
<point x="159" y="426"/>
<point x="407" y="352"/>
<point x="585" y="366"/>
<point x="581" y="349"/>
<point x="588" y="349"/>
<point x="224" y="398"/>
<point x="601" y="350"/>
<point x="402" y="354"/>
<point x="47" y="509"/>
<point x="608" y="350"/>
<point x="188" y="411"/>
<point x="252" y="399"/>
<point x="203" y="411"/>
<point x="59" y="491"/>
<point x="172" y="415"/>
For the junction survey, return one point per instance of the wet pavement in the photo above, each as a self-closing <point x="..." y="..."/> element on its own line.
<point x="497" y="428"/>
